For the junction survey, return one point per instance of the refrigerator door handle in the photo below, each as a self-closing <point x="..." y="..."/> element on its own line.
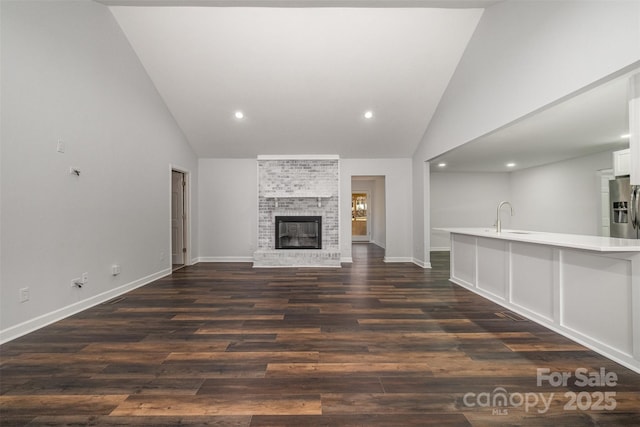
<point x="635" y="205"/>
<point x="633" y="201"/>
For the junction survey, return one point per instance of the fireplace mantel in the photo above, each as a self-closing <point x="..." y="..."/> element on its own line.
<point x="297" y="195"/>
<point x="298" y="157"/>
<point x="300" y="195"/>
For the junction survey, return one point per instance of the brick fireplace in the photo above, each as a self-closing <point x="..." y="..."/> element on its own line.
<point x="298" y="188"/>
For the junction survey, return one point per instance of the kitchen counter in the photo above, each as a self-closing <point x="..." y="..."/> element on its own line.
<point x="586" y="288"/>
<point x="576" y="241"/>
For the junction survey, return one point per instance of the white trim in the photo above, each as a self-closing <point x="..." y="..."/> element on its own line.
<point x="603" y="349"/>
<point x="256" y="242"/>
<point x="426" y="212"/>
<point x="339" y="199"/>
<point x="440" y="249"/>
<point x="421" y="263"/>
<point x="299" y="3"/>
<point x="605" y="175"/>
<point x="298" y="266"/>
<point x="31" y="325"/>
<point x="225" y="259"/>
<point x="398" y="259"/>
<point x="187" y="212"/>
<point x="377" y="244"/>
<point x="298" y="157"/>
<point x="346" y="259"/>
<point x="297" y="195"/>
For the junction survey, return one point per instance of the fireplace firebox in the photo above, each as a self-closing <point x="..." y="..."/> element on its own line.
<point x="298" y="232"/>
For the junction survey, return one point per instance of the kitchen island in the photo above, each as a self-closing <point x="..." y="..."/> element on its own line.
<point x="586" y="288"/>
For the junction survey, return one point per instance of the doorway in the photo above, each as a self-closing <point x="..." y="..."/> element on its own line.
<point x="360" y="228"/>
<point x="368" y="209"/>
<point x="178" y="219"/>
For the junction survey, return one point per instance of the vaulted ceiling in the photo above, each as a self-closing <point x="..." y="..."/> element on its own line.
<point x="303" y="73"/>
<point x="303" y="77"/>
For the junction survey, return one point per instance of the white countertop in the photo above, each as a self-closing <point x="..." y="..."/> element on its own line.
<point x="576" y="241"/>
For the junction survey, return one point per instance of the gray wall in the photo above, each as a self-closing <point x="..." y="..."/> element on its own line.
<point x="228" y="200"/>
<point x="398" y="204"/>
<point x="561" y="197"/>
<point x="69" y="73"/>
<point x="465" y="200"/>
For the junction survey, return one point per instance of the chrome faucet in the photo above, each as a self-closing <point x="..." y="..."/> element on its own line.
<point x="498" y="223"/>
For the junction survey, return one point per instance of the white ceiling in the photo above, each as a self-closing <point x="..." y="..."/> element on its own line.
<point x="305" y="71"/>
<point x="589" y="122"/>
<point x="307" y="3"/>
<point x="303" y="76"/>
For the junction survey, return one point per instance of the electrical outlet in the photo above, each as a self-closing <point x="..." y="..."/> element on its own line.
<point x="115" y="269"/>
<point x="24" y="294"/>
<point x="60" y="146"/>
<point x="85" y="278"/>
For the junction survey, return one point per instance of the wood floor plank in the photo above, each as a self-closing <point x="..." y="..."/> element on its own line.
<point x="109" y="386"/>
<point x="392" y="357"/>
<point x="255" y="330"/>
<point x="150" y="346"/>
<point x="287" y="385"/>
<point x="384" y="403"/>
<point x="84" y="357"/>
<point x="346" y="369"/>
<point x="146" y="421"/>
<point x="244" y="357"/>
<point x="221" y="316"/>
<point x="362" y="420"/>
<point x="219" y="405"/>
<point x="58" y="404"/>
<point x="546" y="347"/>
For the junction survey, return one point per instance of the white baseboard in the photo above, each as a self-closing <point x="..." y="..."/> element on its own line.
<point x="378" y="244"/>
<point x="415" y="261"/>
<point x="398" y="259"/>
<point x="298" y="266"/>
<point x="225" y="259"/>
<point x="24" y="328"/>
<point x="346" y="259"/>
<point x="441" y="249"/>
<point x="421" y="263"/>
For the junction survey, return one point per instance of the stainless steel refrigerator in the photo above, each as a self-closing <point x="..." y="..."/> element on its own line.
<point x="624" y="200"/>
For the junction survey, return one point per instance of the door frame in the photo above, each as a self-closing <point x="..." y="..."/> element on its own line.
<point x="187" y="214"/>
<point x="604" y="176"/>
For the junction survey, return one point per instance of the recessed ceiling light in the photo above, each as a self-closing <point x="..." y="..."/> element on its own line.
<point x="511" y="165"/>
<point x="625" y="136"/>
<point x="441" y="165"/>
<point x="368" y="114"/>
<point x="239" y="115"/>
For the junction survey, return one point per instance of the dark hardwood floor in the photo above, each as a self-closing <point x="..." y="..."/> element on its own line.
<point x="371" y="344"/>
